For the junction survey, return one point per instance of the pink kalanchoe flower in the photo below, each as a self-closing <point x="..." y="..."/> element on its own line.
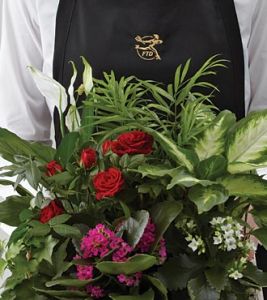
<point x="85" y="272"/>
<point x="95" y="292"/>
<point x="148" y="238"/>
<point x="162" y="250"/>
<point x="130" y="281"/>
<point x="100" y="241"/>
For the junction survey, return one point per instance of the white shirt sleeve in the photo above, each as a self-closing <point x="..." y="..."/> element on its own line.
<point x="258" y="57"/>
<point x="23" y="109"/>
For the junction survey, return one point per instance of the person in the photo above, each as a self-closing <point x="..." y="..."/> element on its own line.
<point x="143" y="38"/>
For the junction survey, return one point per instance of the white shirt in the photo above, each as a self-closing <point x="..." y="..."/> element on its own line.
<point x="27" y="38"/>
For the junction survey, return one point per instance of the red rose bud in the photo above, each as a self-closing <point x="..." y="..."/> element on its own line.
<point x="106" y="146"/>
<point x="50" y="211"/>
<point x="52" y="168"/>
<point x="88" y="158"/>
<point x="133" y="142"/>
<point x="108" y="183"/>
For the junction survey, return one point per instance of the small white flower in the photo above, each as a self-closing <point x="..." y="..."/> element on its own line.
<point x="194" y="245"/>
<point x="239" y="234"/>
<point x="191" y="224"/>
<point x="228" y="234"/>
<point x="227" y="227"/>
<point x="230" y="244"/>
<point x="217" y="221"/>
<point x="239" y="227"/>
<point x="236" y="275"/>
<point x="217" y="240"/>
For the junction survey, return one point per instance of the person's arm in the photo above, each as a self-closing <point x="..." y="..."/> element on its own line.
<point x="23" y="109"/>
<point x="258" y="57"/>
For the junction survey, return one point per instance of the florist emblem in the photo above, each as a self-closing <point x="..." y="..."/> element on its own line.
<point x="145" y="47"/>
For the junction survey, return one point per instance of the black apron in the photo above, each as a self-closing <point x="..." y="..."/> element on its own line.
<point x="149" y="39"/>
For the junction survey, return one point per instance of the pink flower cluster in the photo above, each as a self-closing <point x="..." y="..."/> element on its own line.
<point x="130" y="281"/>
<point x="101" y="241"/>
<point x="148" y="239"/>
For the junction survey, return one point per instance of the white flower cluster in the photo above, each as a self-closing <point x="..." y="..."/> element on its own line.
<point x="235" y="272"/>
<point x="228" y="233"/>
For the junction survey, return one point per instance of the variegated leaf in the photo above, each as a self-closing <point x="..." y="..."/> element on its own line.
<point x="247" y="146"/>
<point x="212" y="141"/>
<point x="247" y="185"/>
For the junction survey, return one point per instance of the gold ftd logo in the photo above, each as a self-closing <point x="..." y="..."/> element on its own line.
<point x="146" y="46"/>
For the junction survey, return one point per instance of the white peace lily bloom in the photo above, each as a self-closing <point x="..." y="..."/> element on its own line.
<point x="236" y="275"/>
<point x="87" y="77"/>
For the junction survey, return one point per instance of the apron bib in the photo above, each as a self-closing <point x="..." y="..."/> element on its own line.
<point x="149" y="39"/>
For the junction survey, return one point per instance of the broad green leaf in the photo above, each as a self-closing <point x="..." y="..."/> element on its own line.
<point x="163" y="214"/>
<point x="177" y="271"/>
<point x="256" y="275"/>
<point x="212" y="167"/>
<point x="158" y="285"/>
<point x="39" y="229"/>
<point x="212" y="142"/>
<point x="247" y="145"/>
<point x="61" y="178"/>
<point x="67" y="231"/>
<point x="58" y="258"/>
<point x="137" y="263"/>
<point x="11" y="208"/>
<point x="217" y="278"/>
<point x="261" y="235"/>
<point x="149" y="295"/>
<point x="244" y="185"/>
<point x="11" y="145"/>
<point x="69" y="294"/>
<point x="47" y="250"/>
<point x="69" y="282"/>
<point x="181" y="156"/>
<point x="67" y="148"/>
<point x="156" y="170"/>
<point x="206" y="198"/>
<point x="183" y="178"/>
<point x="199" y="289"/>
<point x="135" y="227"/>
<point x="17" y="187"/>
<point x="59" y="219"/>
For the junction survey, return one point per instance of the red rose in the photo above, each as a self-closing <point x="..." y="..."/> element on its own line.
<point x="50" y="211"/>
<point x="52" y="168"/>
<point x="133" y="142"/>
<point x="108" y="183"/>
<point x="106" y="146"/>
<point x="88" y="158"/>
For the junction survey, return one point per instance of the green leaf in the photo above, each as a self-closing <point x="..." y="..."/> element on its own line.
<point x="11" y="145"/>
<point x="135" y="227"/>
<point x="156" y="170"/>
<point x="137" y="263"/>
<point x="3" y="265"/>
<point x="212" y="142"/>
<point x="67" y="148"/>
<point x="256" y="275"/>
<point x="247" y="146"/>
<point x="62" y="178"/>
<point x="206" y="198"/>
<point x="244" y="185"/>
<point x="181" y="156"/>
<point x="212" y="167"/>
<point x="261" y="235"/>
<point x="158" y="285"/>
<point x="136" y="161"/>
<point x="217" y="278"/>
<point x="183" y="178"/>
<point x="163" y="214"/>
<point x="11" y="208"/>
<point x="59" y="219"/>
<point x="177" y="271"/>
<point x="69" y="282"/>
<point x="62" y="293"/>
<point x="149" y="295"/>
<point x="47" y="250"/>
<point x="39" y="229"/>
<point x="199" y="289"/>
<point x="67" y="231"/>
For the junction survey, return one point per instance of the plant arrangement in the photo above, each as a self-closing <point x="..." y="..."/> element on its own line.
<point x="146" y="197"/>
